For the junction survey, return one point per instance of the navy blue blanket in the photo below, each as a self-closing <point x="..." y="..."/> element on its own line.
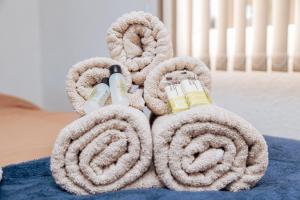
<point x="33" y="180"/>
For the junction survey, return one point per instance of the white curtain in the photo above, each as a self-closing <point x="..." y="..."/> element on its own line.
<point x="200" y="30"/>
<point x="259" y="32"/>
<point x="239" y="18"/>
<point x="297" y="36"/>
<point x="259" y="24"/>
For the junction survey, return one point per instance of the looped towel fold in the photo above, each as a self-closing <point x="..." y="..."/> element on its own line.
<point x="140" y="41"/>
<point x="208" y="148"/>
<point x="83" y="76"/>
<point x="177" y="69"/>
<point x="106" y="150"/>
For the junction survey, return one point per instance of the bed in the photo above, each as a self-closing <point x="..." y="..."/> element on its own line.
<point x="33" y="180"/>
<point x="27" y="131"/>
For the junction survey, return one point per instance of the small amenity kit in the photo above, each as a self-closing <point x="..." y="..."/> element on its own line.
<point x="192" y="144"/>
<point x="115" y="83"/>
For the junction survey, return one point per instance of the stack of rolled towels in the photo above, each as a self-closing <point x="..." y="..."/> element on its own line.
<point x="115" y="147"/>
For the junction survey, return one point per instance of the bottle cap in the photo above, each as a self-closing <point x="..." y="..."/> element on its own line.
<point x="105" y="81"/>
<point x="115" y="69"/>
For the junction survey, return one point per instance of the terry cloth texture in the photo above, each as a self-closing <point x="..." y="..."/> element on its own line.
<point x="83" y="76"/>
<point x="140" y="41"/>
<point x="106" y="150"/>
<point x="32" y="180"/>
<point x="177" y="69"/>
<point x="208" y="148"/>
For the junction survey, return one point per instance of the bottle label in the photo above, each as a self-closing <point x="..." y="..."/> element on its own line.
<point x="93" y="95"/>
<point x="99" y="94"/>
<point x="176" y="98"/>
<point x="197" y="98"/>
<point x="122" y="87"/>
<point x="118" y="89"/>
<point x="103" y="100"/>
<point x="178" y="104"/>
<point x="195" y="93"/>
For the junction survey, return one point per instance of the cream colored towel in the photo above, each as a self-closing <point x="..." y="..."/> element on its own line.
<point x="106" y="150"/>
<point x="83" y="76"/>
<point x="208" y="148"/>
<point x="140" y="41"/>
<point x="178" y="68"/>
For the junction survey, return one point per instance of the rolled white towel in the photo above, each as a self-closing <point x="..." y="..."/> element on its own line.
<point x="84" y="75"/>
<point x="154" y="87"/>
<point x="106" y="150"/>
<point x="208" y="148"/>
<point x="140" y="41"/>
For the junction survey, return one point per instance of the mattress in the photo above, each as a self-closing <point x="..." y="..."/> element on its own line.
<point x="33" y="180"/>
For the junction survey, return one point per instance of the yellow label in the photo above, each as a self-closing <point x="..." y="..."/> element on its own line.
<point x="93" y="94"/>
<point x="197" y="98"/>
<point x="178" y="104"/>
<point x="123" y="88"/>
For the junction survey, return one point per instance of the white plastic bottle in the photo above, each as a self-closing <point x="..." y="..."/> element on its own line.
<point x="98" y="96"/>
<point x="117" y="84"/>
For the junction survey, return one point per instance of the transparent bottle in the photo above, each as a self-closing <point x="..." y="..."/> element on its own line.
<point x="117" y="84"/>
<point x="176" y="98"/>
<point x="98" y="96"/>
<point x="194" y="92"/>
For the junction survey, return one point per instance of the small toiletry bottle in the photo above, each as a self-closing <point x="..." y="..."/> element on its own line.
<point x="176" y="98"/>
<point x="194" y="92"/>
<point x="117" y="85"/>
<point x="98" y="96"/>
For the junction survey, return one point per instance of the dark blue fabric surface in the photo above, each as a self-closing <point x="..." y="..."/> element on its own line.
<point x="32" y="180"/>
